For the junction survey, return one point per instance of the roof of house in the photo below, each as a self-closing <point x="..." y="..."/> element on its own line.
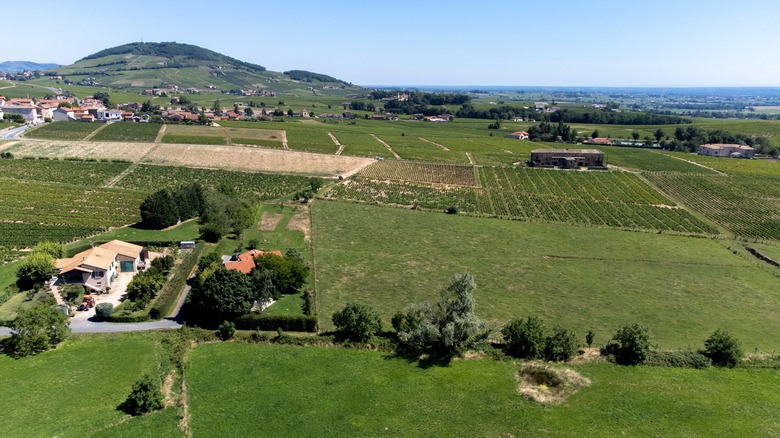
<point x="566" y="151"/>
<point x="124" y="248"/>
<point x="246" y="261"/>
<point x="518" y="133"/>
<point x="729" y="146"/>
<point x="97" y="257"/>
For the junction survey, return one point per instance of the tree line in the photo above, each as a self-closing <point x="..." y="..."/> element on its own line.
<point x="601" y="116"/>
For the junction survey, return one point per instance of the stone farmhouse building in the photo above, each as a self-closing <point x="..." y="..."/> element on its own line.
<point x="727" y="150"/>
<point x="568" y="158"/>
<point x="98" y="267"/>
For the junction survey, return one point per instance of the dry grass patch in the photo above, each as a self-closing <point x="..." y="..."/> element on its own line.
<point x="544" y="384"/>
<point x="255" y="159"/>
<point x="81" y="149"/>
<point x="225" y="132"/>
<point x="300" y="222"/>
<point x="269" y="221"/>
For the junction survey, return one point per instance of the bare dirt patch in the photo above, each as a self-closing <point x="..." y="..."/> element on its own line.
<point x="256" y="159"/>
<point x="548" y="385"/>
<point x="169" y="398"/>
<point x="269" y="221"/>
<point x="300" y="222"/>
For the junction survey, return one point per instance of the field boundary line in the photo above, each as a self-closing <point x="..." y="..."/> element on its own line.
<point x="395" y="154"/>
<point x="336" y="141"/>
<point x="284" y="140"/>
<point x="470" y="157"/>
<point x="444" y="148"/>
<point x="112" y="182"/>
<point x="160" y="134"/>
<point x="89" y="137"/>
<point x="695" y="164"/>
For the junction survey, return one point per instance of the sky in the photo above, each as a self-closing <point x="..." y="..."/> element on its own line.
<point x="643" y="43"/>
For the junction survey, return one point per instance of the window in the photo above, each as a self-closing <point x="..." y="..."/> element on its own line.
<point x="98" y="274"/>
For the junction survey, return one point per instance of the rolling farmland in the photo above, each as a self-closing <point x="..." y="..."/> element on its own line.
<point x="612" y="199"/>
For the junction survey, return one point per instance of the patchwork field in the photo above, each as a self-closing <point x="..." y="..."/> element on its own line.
<point x="612" y="199"/>
<point x="123" y="131"/>
<point x="733" y="166"/>
<point x="255" y="186"/>
<point x="745" y="205"/>
<point x="682" y="288"/>
<point x="82" y="173"/>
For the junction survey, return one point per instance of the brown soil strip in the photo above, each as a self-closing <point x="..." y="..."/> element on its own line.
<point x="160" y="134"/>
<point x="169" y="398"/>
<point x="7" y="145"/>
<point x="184" y="404"/>
<point x="89" y="137"/>
<point x="269" y="221"/>
<point x="395" y="154"/>
<point x="300" y="222"/>
<point x="284" y="140"/>
<point x="470" y="157"/>
<point x="444" y="148"/>
<point x="336" y="141"/>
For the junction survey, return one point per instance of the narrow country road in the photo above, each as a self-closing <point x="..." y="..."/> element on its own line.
<point x="13" y="133"/>
<point x="87" y="326"/>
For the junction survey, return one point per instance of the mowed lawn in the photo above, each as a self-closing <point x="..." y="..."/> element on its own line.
<point x="74" y="390"/>
<point x="682" y="288"/>
<point x="238" y="389"/>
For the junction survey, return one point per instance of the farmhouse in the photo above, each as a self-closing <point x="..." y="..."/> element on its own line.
<point x="727" y="150"/>
<point x="599" y="140"/>
<point x="520" y="135"/>
<point x="567" y="158"/>
<point x="245" y="262"/>
<point x="31" y="113"/>
<point x="97" y="267"/>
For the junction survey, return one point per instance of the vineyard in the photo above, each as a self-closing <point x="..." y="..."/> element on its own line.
<point x="611" y="199"/>
<point x="63" y="131"/>
<point x="733" y="166"/>
<point x="83" y="173"/>
<point x="256" y="186"/>
<point x="87" y="150"/>
<point x="124" y="131"/>
<point x="747" y="206"/>
<point x="193" y="139"/>
<point x="421" y="172"/>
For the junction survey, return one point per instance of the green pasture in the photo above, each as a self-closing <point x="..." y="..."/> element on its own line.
<point x="63" y="130"/>
<point x="187" y="230"/>
<point x="74" y="390"/>
<point x="682" y="288"/>
<point x="336" y="392"/>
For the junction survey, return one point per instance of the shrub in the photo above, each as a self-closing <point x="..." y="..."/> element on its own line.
<point x="144" y="286"/>
<point x="525" y="338"/>
<point x="292" y="323"/>
<point x="677" y="359"/>
<point x="589" y="338"/>
<point x="145" y="396"/>
<point x="35" y="269"/>
<point x="452" y="209"/>
<point x="72" y="293"/>
<point x="560" y="345"/>
<point x="226" y="330"/>
<point x="37" y="329"/>
<point x="629" y="346"/>
<point x="163" y="264"/>
<point x="170" y="292"/>
<point x="722" y="349"/>
<point x="357" y="322"/>
<point x="104" y="310"/>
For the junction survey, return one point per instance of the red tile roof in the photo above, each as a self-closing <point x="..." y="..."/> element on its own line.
<point x="246" y="261"/>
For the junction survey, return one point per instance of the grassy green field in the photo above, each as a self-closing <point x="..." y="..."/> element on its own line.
<point x="74" y="390"/>
<point x="682" y="288"/>
<point x="733" y="166"/>
<point x="187" y="230"/>
<point x="336" y="392"/>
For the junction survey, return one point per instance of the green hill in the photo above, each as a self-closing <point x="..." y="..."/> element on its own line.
<point x="138" y="66"/>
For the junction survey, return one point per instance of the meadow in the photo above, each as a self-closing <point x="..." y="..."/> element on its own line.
<point x="337" y="392"/>
<point x="583" y="278"/>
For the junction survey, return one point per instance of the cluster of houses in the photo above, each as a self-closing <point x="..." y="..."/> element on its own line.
<point x="35" y="111"/>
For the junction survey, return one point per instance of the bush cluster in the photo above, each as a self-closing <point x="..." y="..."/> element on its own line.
<point x="528" y="338"/>
<point x="290" y="323"/>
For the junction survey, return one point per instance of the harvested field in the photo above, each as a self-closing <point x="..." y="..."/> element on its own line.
<point x="81" y="149"/>
<point x="255" y="159"/>
<point x="300" y="222"/>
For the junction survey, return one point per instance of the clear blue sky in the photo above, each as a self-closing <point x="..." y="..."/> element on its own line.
<point x="400" y="42"/>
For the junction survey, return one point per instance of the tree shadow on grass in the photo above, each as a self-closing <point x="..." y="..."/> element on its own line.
<point x="423" y="361"/>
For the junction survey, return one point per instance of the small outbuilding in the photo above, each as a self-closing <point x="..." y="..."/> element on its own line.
<point x="568" y="158"/>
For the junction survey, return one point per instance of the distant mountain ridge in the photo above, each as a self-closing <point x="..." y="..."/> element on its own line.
<point x="151" y="65"/>
<point x="20" y="66"/>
